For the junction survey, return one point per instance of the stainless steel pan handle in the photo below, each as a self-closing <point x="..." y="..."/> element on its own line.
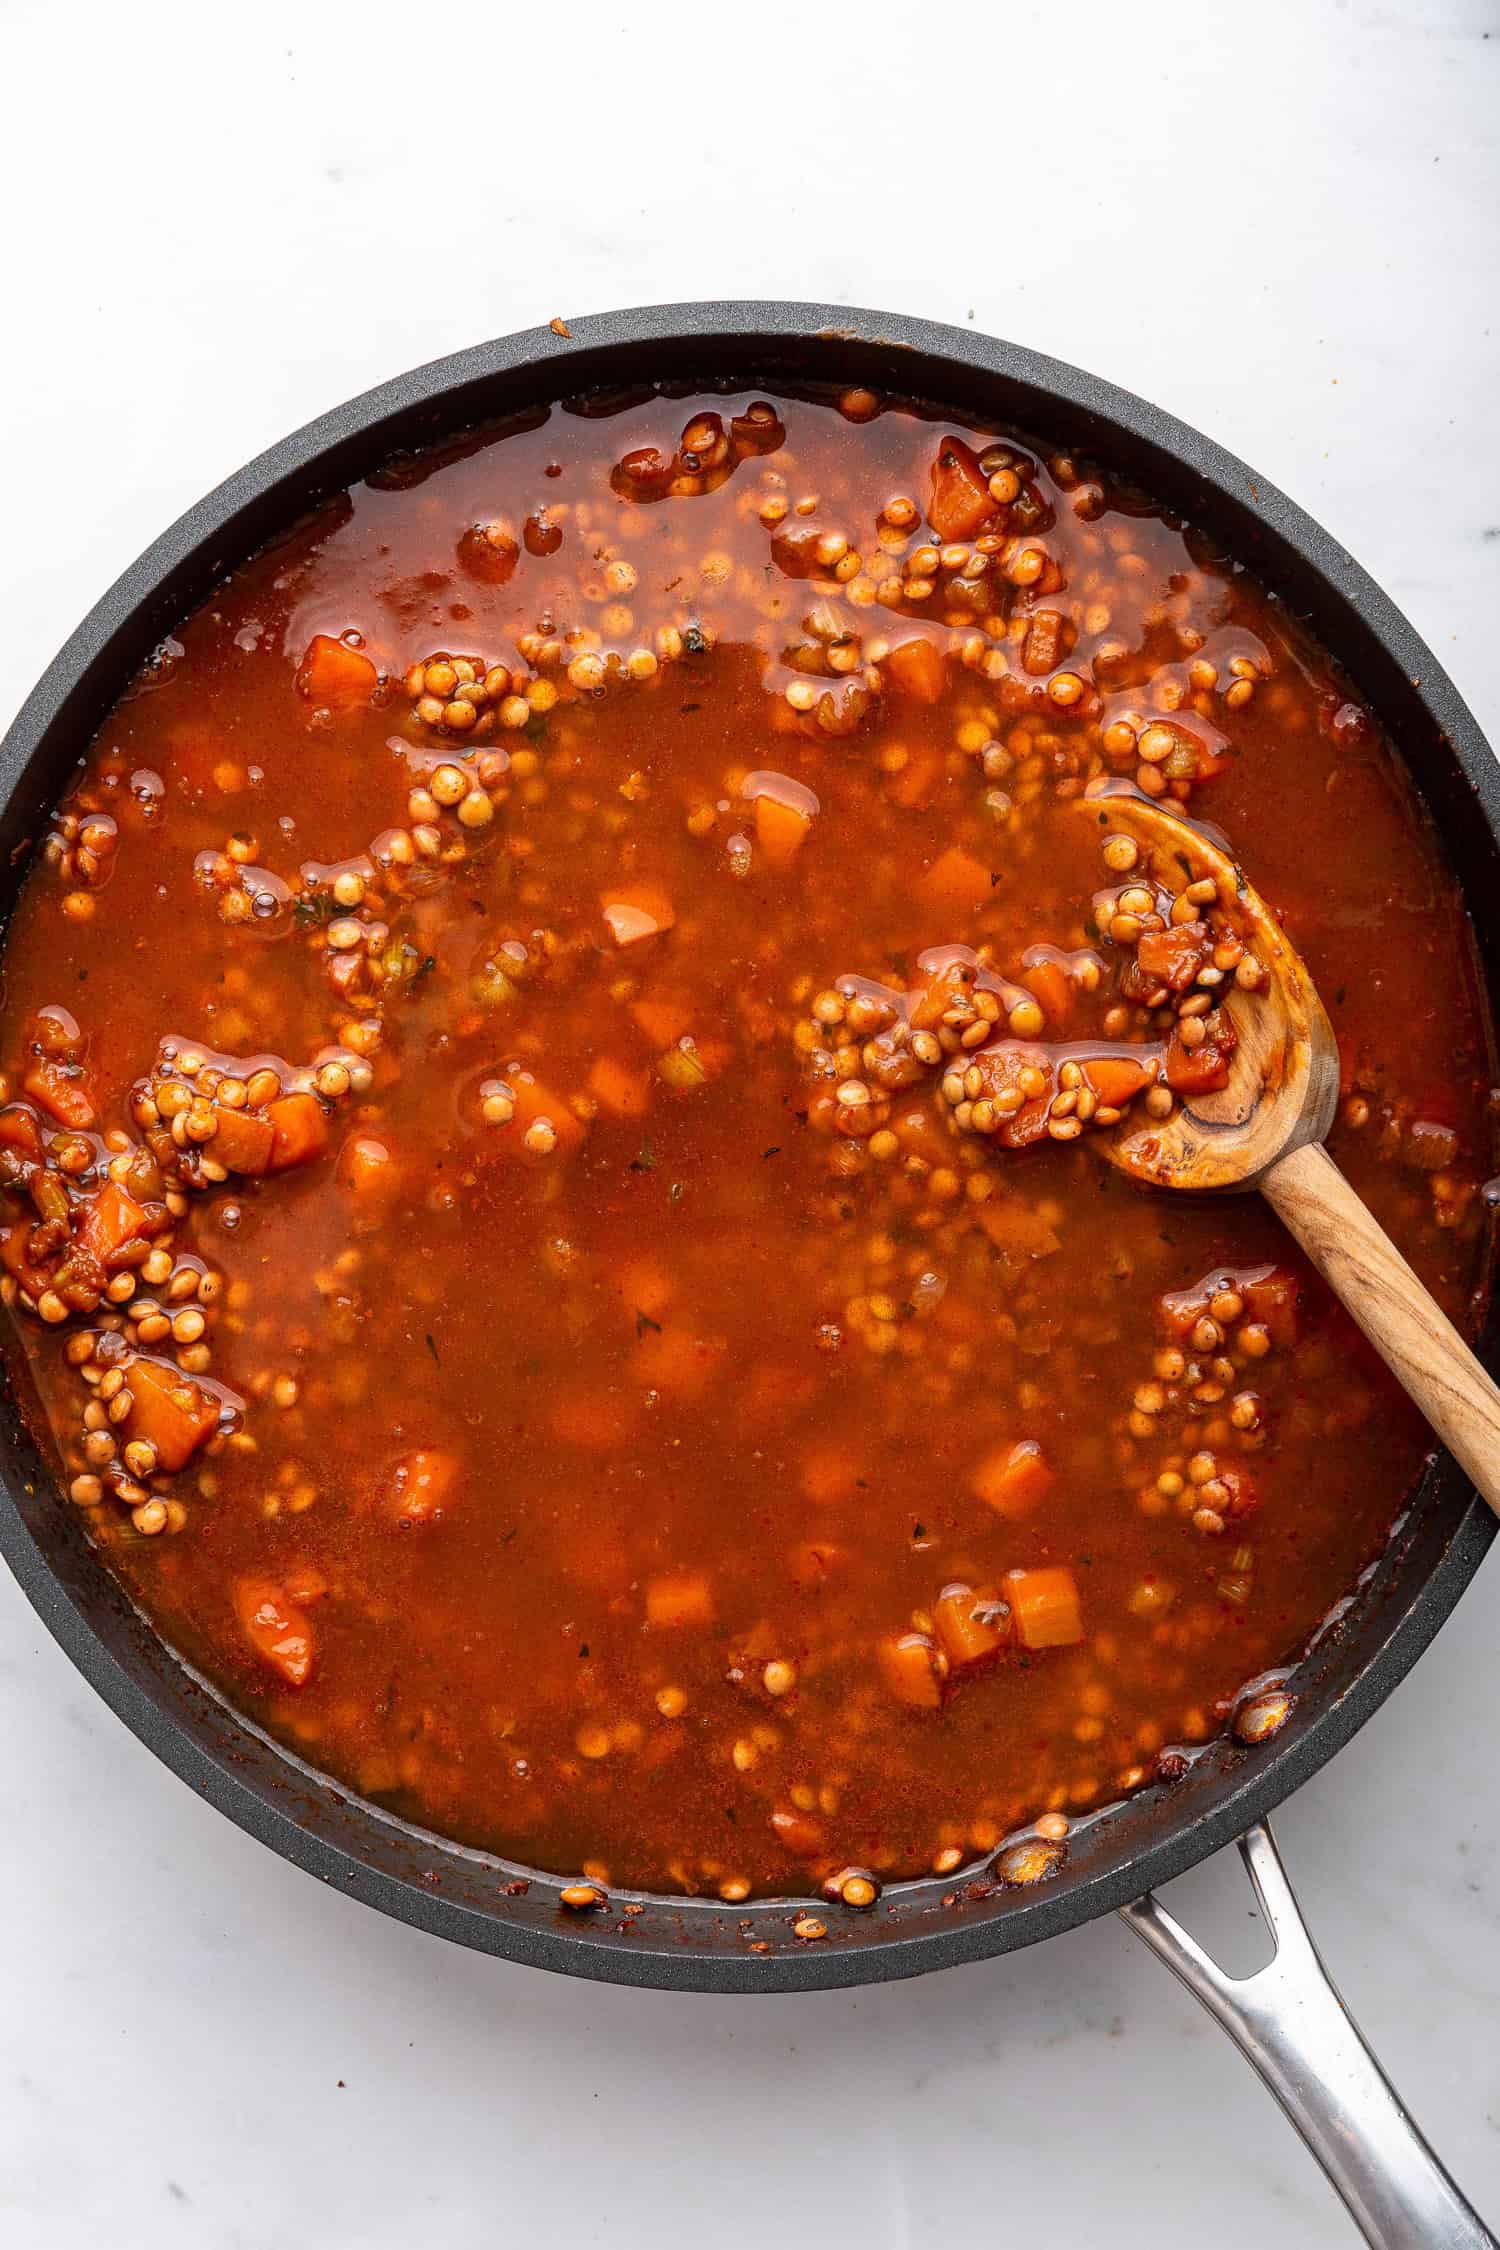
<point x="1289" y="2021"/>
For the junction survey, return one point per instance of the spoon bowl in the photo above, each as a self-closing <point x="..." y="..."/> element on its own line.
<point x="1264" y="1125"/>
<point x="1283" y="1085"/>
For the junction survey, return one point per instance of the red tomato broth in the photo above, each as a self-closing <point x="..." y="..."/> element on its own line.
<point x="605" y="1474"/>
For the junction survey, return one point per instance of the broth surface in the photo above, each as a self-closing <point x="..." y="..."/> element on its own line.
<point x="510" y="1052"/>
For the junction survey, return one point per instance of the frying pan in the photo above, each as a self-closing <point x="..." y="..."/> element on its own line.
<point x="1288" y="2018"/>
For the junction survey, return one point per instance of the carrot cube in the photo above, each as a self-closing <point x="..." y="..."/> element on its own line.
<point x="111" y="1219"/>
<point x="1051" y="987"/>
<point x="664" y="1017"/>
<point x="276" y="1628"/>
<point x="1045" y="1606"/>
<point x="368" y="1170"/>
<point x="63" y="1094"/>
<point x="1205" y="1069"/>
<point x="916" y="668"/>
<point x="623" y="1092"/>
<point x="1174" y="956"/>
<point x="930" y="1001"/>
<point x="637" y="910"/>
<point x="961" y="502"/>
<point x="168" y="1411"/>
<point x="972" y="1623"/>
<point x="781" y="830"/>
<point x="912" y="1667"/>
<point x="1271" y="1298"/>
<point x="335" y="675"/>
<point x="956" y="883"/>
<point x="18" y="1130"/>
<point x="1115" y="1079"/>
<point x="243" y="1141"/>
<point x="1013" y="1478"/>
<point x="299" y="1130"/>
<point x="680" y="1598"/>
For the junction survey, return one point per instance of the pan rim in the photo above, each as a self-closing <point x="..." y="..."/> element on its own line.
<point x="203" y="540"/>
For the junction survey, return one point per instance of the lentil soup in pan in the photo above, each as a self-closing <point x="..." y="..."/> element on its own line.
<point x="550" y="1062"/>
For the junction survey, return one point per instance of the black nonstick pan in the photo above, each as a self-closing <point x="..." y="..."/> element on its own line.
<point x="1288" y="2018"/>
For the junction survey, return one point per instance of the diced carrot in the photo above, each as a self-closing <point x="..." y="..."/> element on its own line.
<point x="534" y="1100"/>
<point x="371" y="1174"/>
<point x="1051" y="987"/>
<point x="682" y="1597"/>
<point x="798" y="1832"/>
<point x="112" y="1217"/>
<point x="917" y="669"/>
<point x="335" y="675"/>
<point x="1182" y="1309"/>
<point x="781" y="830"/>
<point x="829" y="1473"/>
<point x="1175" y="955"/>
<point x="170" y="1412"/>
<point x="19" y="1130"/>
<point x="955" y="884"/>
<point x="1045" y="1606"/>
<point x="243" y="1142"/>
<point x="61" y="1092"/>
<point x="663" y="1017"/>
<point x="972" y="1623"/>
<point x="1017" y="1229"/>
<point x="276" y="1628"/>
<point x="1271" y="1298"/>
<point x="637" y="910"/>
<point x="677" y="1362"/>
<point x="961" y="504"/>
<point x="928" y="1002"/>
<point x="912" y="1668"/>
<point x="1013" y="1478"/>
<point x="914" y="783"/>
<point x="422" y="1483"/>
<point x="1197" y="1070"/>
<point x="1116" y="1079"/>
<point x="623" y="1092"/>
<point x="795" y="551"/>
<point x="596" y="1420"/>
<point x="299" y="1130"/>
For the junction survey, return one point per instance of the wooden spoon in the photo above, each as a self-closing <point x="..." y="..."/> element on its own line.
<point x="1265" y="1130"/>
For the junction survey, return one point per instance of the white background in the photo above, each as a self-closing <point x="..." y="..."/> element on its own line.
<point x="1280" y="220"/>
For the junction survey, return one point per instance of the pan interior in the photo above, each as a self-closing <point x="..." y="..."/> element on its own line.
<point x="698" y="1944"/>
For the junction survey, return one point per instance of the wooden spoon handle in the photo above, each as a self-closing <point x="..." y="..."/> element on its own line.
<point x="1417" y="1341"/>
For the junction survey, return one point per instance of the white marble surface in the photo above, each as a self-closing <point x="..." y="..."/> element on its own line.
<point x="1283" y="222"/>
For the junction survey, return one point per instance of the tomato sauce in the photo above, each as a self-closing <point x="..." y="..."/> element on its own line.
<point x="524" y="1207"/>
